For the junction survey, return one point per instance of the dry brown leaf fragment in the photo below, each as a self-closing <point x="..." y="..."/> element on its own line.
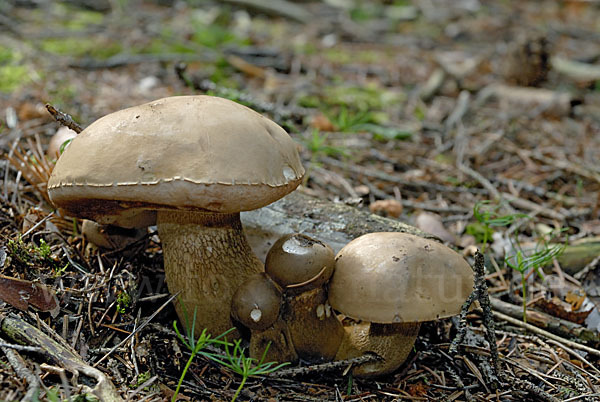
<point x="246" y="67"/>
<point x="562" y="309"/>
<point x="389" y="207"/>
<point x="418" y="389"/>
<point x="575" y="299"/>
<point x="21" y="294"/>
<point x="322" y="122"/>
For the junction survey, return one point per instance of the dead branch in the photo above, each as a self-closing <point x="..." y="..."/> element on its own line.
<point x="63" y="118"/>
<point x="333" y="223"/>
<point x="22" y="332"/>
<point x="536" y="330"/>
<point x="20" y="367"/>
<point x="329" y="366"/>
<point x="480" y="293"/>
<point x="545" y="321"/>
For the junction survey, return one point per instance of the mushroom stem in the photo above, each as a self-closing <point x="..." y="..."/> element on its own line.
<point x="279" y="341"/>
<point x="206" y="257"/>
<point x="391" y="342"/>
<point x="316" y="331"/>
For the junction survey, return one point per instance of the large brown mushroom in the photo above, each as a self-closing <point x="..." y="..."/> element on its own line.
<point x="302" y="266"/>
<point x="191" y="164"/>
<point x="392" y="282"/>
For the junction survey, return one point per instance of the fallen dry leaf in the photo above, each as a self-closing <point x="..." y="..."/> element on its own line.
<point x="561" y="309"/>
<point x="575" y="299"/>
<point x="389" y="207"/>
<point x="21" y="294"/>
<point x="322" y="122"/>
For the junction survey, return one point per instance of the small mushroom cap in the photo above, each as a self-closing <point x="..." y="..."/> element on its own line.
<point x="61" y="136"/>
<point x="398" y="277"/>
<point x="184" y="152"/>
<point x="256" y="303"/>
<point x="296" y="258"/>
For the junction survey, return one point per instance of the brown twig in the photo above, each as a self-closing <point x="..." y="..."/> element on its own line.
<point x="278" y="112"/>
<point x="63" y="118"/>
<point x="138" y="329"/>
<point x="20" y="367"/>
<point x="318" y="368"/>
<point x="21" y="331"/>
<point x="547" y="334"/>
<point x="545" y="321"/>
<point x="480" y="293"/>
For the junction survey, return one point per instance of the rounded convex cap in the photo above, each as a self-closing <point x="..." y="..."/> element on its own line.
<point x="397" y="277"/>
<point x="185" y="152"/>
<point x="296" y="259"/>
<point x="256" y="303"/>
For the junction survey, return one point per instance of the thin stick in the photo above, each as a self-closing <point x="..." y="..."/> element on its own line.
<point x="138" y="329"/>
<point x="325" y="366"/>
<point x="480" y="293"/>
<point x="34" y="227"/>
<point x="547" y="334"/>
<point x="22" y="348"/>
<point x="63" y="118"/>
<point x="20" y="367"/>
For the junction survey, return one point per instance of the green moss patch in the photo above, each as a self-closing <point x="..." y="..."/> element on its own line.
<point x="79" y="47"/>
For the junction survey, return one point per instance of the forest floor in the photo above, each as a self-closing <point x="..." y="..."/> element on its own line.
<point x="476" y="121"/>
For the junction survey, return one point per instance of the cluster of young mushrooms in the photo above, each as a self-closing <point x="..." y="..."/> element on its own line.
<point x="190" y="165"/>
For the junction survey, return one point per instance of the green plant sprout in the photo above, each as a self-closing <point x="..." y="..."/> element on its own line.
<point x="29" y="254"/>
<point x="346" y="121"/>
<point x="235" y="359"/>
<point x="247" y="367"/>
<point x="123" y="302"/>
<point x="488" y="218"/>
<point x="195" y="346"/>
<point x="317" y="145"/>
<point x="522" y="263"/>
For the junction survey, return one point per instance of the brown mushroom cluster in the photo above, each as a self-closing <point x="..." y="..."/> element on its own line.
<point x="387" y="283"/>
<point x="191" y="164"/>
<point x="298" y="268"/>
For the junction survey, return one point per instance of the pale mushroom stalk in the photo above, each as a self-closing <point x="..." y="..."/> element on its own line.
<point x="392" y="342"/>
<point x="207" y="257"/>
<point x="316" y="331"/>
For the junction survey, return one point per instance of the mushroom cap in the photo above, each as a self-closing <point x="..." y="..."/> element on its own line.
<point x="184" y="152"/>
<point x="398" y="277"/>
<point x="62" y="135"/>
<point x="296" y="258"/>
<point x="256" y="303"/>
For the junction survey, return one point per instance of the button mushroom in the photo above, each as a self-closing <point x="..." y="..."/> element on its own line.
<point x="111" y="237"/>
<point x="191" y="164"/>
<point x="302" y="266"/>
<point x="393" y="282"/>
<point x="59" y="141"/>
<point x="256" y="305"/>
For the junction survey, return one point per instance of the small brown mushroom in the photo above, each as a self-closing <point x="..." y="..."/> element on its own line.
<point x="189" y="164"/>
<point x="393" y="282"/>
<point x="59" y="141"/>
<point x="256" y="305"/>
<point x="302" y="266"/>
<point x="110" y="237"/>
